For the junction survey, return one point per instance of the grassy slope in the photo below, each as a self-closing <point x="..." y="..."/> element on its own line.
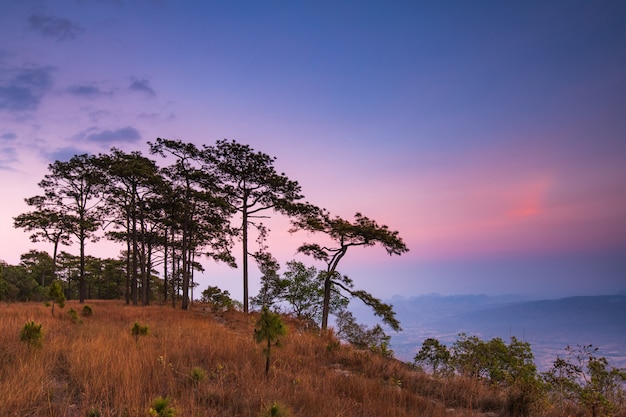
<point x="98" y="365"/>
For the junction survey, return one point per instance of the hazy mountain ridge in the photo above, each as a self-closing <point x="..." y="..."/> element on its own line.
<point x="548" y="325"/>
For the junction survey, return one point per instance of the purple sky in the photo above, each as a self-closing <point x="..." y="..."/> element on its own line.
<point x="491" y="135"/>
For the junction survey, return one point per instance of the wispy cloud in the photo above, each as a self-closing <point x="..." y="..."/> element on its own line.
<point x="123" y="135"/>
<point x="141" y="86"/>
<point x="8" y="156"/>
<point x="8" y="136"/>
<point x="25" y="88"/>
<point x="86" y="91"/>
<point x="59" y="28"/>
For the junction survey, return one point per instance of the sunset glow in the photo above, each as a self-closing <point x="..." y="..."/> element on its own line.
<point x="489" y="135"/>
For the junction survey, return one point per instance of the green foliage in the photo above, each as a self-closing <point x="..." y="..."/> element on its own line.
<point x="435" y="355"/>
<point x="277" y="410"/>
<point x="219" y="299"/>
<point x="94" y="412"/>
<point x="269" y="328"/>
<point x="73" y="315"/>
<point x="511" y="367"/>
<point x="197" y="374"/>
<point x="138" y="330"/>
<point x="585" y="378"/>
<point x="252" y="185"/>
<point x="8" y="291"/>
<point x="361" y="336"/>
<point x="87" y="311"/>
<point x="345" y="234"/>
<point x="56" y="295"/>
<point x="32" y="334"/>
<point x="20" y="285"/>
<point x="161" y="408"/>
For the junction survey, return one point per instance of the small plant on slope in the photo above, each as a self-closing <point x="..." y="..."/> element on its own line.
<point x="31" y="334"/>
<point x="277" y="410"/>
<point x="138" y="330"/>
<point x="269" y="328"/>
<point x="87" y="311"/>
<point x="161" y="408"/>
<point x="56" y="295"/>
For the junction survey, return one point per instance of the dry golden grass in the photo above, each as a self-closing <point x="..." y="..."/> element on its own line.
<point x="97" y="365"/>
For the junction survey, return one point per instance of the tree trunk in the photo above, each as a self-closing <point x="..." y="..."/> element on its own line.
<point x="267" y="359"/>
<point x="244" y="227"/>
<point x="326" y="304"/>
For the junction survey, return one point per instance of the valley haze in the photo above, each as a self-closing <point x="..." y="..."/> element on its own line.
<point x="549" y="325"/>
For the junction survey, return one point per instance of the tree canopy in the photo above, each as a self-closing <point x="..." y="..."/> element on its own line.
<point x="363" y="231"/>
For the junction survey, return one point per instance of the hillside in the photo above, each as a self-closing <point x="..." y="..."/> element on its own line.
<point x="548" y="325"/>
<point x="206" y="364"/>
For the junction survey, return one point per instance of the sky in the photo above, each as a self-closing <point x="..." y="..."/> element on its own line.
<point x="491" y="135"/>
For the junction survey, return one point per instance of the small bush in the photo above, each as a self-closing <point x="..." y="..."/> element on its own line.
<point x="94" y="412"/>
<point x="161" y="408"/>
<point x="276" y="410"/>
<point x="198" y="374"/>
<point x="31" y="334"/>
<point x="139" y="330"/>
<point x="87" y="311"/>
<point x="73" y="315"/>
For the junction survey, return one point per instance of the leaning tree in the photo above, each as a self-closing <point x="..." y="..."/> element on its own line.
<point x="344" y="235"/>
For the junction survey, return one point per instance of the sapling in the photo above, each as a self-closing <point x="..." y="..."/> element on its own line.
<point x="56" y="295"/>
<point x="138" y="330"/>
<point x="269" y="328"/>
<point x="31" y="334"/>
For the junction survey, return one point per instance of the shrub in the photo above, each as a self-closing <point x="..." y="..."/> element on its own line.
<point x="198" y="374"/>
<point x="31" y="334"/>
<point x="94" y="412"/>
<point x="161" y="408"/>
<point x="73" y="315"/>
<point x="220" y="299"/>
<point x="87" y="311"/>
<point x="139" y="330"/>
<point x="276" y="410"/>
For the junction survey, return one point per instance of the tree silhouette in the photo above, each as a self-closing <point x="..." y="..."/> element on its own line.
<point x="252" y="186"/>
<point x="74" y="188"/>
<point x="345" y="234"/>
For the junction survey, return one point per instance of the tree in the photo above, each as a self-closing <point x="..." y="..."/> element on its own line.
<point x="56" y="295"/>
<point x="20" y="285"/>
<point x="133" y="181"/>
<point x="73" y="188"/>
<point x="269" y="328"/>
<point x="8" y="291"/>
<point x="434" y="354"/>
<point x="48" y="222"/>
<point x="361" y="336"/>
<point x="510" y="367"/>
<point x="345" y="234"/>
<point x="220" y="299"/>
<point x="253" y="186"/>
<point x="587" y="379"/>
<point x="39" y="265"/>
<point x="272" y="286"/>
<point x="201" y="212"/>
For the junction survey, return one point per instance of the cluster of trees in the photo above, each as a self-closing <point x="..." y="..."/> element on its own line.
<point x="32" y="278"/>
<point x="171" y="216"/>
<point x="581" y="378"/>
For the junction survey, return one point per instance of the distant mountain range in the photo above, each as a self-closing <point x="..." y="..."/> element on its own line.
<point x="548" y="325"/>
